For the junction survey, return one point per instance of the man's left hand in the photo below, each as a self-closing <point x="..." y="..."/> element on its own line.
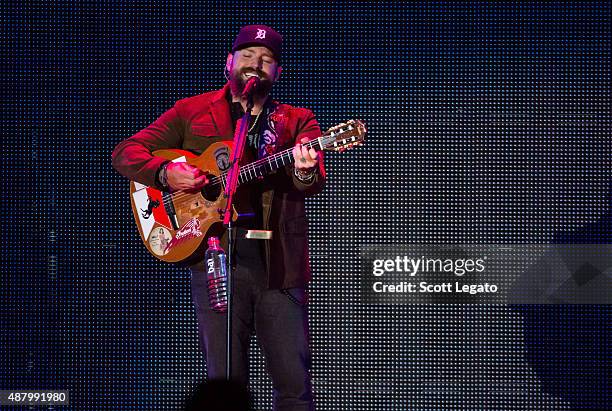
<point x="304" y="158"/>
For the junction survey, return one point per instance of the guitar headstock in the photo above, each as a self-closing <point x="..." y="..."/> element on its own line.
<point x="344" y="136"/>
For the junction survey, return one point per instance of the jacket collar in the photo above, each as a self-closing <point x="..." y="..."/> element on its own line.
<point x="221" y="112"/>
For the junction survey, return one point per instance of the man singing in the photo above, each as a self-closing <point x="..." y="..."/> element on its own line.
<point x="270" y="276"/>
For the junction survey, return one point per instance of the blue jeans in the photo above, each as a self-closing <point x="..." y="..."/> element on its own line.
<point x="280" y="319"/>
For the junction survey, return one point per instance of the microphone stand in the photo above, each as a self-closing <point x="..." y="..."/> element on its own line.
<point x="240" y="136"/>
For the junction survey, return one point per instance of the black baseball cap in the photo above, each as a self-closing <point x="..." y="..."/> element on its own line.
<point x="259" y="35"/>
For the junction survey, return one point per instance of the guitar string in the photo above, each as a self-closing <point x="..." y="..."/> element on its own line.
<point x="247" y="169"/>
<point x="252" y="167"/>
<point x="179" y="194"/>
<point x="244" y="171"/>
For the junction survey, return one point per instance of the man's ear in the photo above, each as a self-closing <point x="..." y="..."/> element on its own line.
<point x="279" y="70"/>
<point x="229" y="61"/>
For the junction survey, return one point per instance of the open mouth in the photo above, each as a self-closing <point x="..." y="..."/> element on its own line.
<point x="249" y="75"/>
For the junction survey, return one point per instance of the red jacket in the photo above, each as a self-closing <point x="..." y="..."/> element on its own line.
<point x="196" y="122"/>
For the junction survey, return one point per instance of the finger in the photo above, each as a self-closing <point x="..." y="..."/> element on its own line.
<point x="313" y="154"/>
<point x="196" y="172"/>
<point x="298" y="156"/>
<point x="297" y="152"/>
<point x="185" y="166"/>
<point x="306" y="154"/>
<point x="304" y="140"/>
<point x="200" y="182"/>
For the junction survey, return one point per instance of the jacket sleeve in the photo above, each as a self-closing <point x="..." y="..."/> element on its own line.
<point x="309" y="128"/>
<point x="133" y="157"/>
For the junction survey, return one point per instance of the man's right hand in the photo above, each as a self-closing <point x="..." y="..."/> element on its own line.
<point x="182" y="176"/>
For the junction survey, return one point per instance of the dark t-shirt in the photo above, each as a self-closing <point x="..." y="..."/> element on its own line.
<point x="249" y="249"/>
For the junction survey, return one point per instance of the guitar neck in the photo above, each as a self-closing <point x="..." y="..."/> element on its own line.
<point x="270" y="163"/>
<point x="338" y="138"/>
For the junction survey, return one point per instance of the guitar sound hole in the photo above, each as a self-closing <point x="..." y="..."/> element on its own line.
<point x="211" y="192"/>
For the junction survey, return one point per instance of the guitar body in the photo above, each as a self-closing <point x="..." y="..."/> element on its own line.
<point x="174" y="227"/>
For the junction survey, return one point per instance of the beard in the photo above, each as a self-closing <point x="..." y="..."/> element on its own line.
<point x="237" y="83"/>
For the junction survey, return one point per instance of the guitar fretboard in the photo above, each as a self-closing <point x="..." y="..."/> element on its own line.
<point x="267" y="164"/>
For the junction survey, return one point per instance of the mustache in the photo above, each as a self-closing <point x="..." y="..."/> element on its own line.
<point x="238" y="82"/>
<point x="260" y="74"/>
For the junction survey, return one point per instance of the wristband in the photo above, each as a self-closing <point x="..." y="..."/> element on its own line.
<point x="162" y="177"/>
<point x="304" y="176"/>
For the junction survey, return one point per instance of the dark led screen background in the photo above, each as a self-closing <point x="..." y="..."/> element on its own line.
<point x="489" y="122"/>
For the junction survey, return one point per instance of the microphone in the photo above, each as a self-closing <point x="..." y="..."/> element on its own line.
<point x="250" y="85"/>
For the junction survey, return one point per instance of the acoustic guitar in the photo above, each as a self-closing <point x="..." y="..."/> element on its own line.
<point x="174" y="225"/>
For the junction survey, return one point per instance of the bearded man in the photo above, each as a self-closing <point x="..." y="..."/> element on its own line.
<point x="270" y="276"/>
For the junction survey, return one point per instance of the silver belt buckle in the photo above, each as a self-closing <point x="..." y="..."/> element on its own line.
<point x="258" y="235"/>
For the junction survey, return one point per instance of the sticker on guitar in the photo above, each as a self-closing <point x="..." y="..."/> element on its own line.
<point x="159" y="240"/>
<point x="190" y="230"/>
<point x="150" y="207"/>
<point x="149" y="202"/>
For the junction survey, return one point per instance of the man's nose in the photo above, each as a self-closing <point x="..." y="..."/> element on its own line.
<point x="259" y="62"/>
